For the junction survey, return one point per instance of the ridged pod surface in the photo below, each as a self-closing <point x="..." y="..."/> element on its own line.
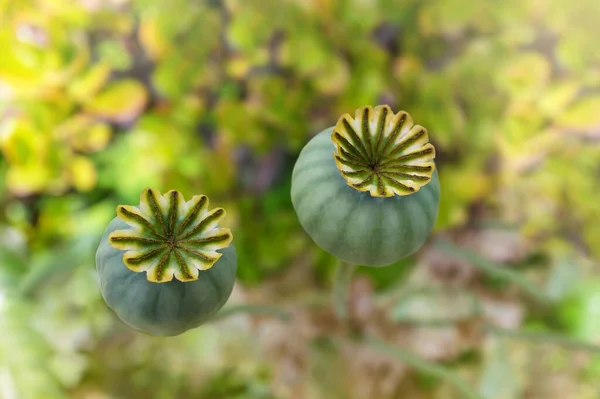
<point x="166" y="267"/>
<point x="367" y="190"/>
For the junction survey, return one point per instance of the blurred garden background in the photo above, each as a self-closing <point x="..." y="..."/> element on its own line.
<point x="102" y="98"/>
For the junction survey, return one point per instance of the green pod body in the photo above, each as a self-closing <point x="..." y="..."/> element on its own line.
<point x="353" y="225"/>
<point x="166" y="309"/>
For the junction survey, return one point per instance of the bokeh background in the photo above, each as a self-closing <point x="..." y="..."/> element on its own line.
<point x="100" y="99"/>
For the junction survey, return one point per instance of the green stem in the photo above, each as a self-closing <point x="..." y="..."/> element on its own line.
<point x="545" y="338"/>
<point x="341" y="288"/>
<point x="252" y="310"/>
<point x="494" y="269"/>
<point x="426" y="367"/>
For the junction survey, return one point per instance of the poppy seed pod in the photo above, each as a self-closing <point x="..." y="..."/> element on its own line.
<point x="367" y="190"/>
<point x="166" y="267"/>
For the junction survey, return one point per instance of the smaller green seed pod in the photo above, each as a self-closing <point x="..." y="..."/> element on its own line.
<point x="166" y="266"/>
<point x="367" y="190"/>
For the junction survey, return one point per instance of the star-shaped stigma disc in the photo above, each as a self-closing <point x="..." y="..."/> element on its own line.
<point x="383" y="153"/>
<point x="170" y="237"/>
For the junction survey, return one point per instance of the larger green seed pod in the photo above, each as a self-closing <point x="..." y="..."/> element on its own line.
<point x="367" y="190"/>
<point x="166" y="267"/>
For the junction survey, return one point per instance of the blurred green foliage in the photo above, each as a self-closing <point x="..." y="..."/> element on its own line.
<point x="100" y="99"/>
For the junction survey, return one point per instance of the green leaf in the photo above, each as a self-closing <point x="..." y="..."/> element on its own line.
<point x="500" y="379"/>
<point x="436" y="307"/>
<point x="306" y="52"/>
<point x="581" y="311"/>
<point x="25" y="354"/>
<point x="249" y="28"/>
<point x="56" y="262"/>
<point x="174" y="76"/>
<point x="564" y="276"/>
<point x="115" y="54"/>
<point x="13" y="258"/>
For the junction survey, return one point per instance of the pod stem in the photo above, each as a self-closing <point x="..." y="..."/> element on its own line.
<point x="495" y="270"/>
<point x="341" y="288"/>
<point x="426" y="367"/>
<point x="248" y="309"/>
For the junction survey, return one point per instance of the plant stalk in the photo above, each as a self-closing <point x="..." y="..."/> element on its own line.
<point x="494" y="269"/>
<point x="341" y="288"/>
<point x="539" y="337"/>
<point x="426" y="367"/>
<point x="246" y="309"/>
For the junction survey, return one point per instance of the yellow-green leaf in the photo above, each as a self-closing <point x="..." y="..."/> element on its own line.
<point x="152" y="38"/>
<point x="90" y="83"/>
<point x="21" y="143"/>
<point x="120" y="102"/>
<point x="83" y="173"/>
<point x="18" y="67"/>
<point x="584" y="114"/>
<point x="94" y="138"/>
<point x="555" y="99"/>
<point x="84" y="133"/>
<point x="524" y="75"/>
